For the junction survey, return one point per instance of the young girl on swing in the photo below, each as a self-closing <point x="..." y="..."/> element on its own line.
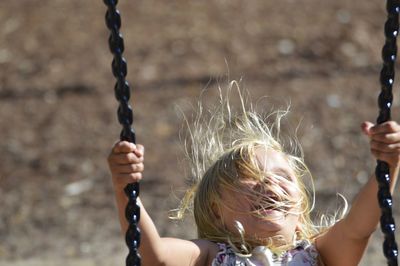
<point x="249" y="199"/>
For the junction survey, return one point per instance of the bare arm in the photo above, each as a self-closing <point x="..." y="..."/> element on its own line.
<point x="345" y="242"/>
<point x="126" y="165"/>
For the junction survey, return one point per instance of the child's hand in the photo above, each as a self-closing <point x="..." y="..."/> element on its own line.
<point x="126" y="163"/>
<point x="384" y="141"/>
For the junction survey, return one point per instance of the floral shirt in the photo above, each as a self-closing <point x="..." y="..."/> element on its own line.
<point x="304" y="254"/>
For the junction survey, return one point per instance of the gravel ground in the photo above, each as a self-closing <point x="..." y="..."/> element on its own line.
<point x="57" y="109"/>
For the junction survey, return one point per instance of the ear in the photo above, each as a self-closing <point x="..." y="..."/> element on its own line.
<point x="216" y="210"/>
<point x="298" y="227"/>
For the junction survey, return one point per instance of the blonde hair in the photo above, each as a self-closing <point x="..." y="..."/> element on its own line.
<point x="221" y="147"/>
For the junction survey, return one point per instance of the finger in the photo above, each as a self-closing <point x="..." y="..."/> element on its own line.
<point x="384" y="147"/>
<point x="387" y="138"/>
<point x="128" y="168"/>
<point x="128" y="178"/>
<point x="366" y="127"/>
<point x="125" y="158"/>
<point x="387" y="127"/>
<point x="139" y="151"/>
<point x="123" y="147"/>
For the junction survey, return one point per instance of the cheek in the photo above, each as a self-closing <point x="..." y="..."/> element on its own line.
<point x="292" y="188"/>
<point x="237" y="211"/>
<point x="294" y="192"/>
<point x="237" y="203"/>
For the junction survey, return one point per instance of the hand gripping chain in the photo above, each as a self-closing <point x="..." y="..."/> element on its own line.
<point x="125" y="118"/>
<point x="385" y="99"/>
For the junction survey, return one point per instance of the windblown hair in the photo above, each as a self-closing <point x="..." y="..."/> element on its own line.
<point x="221" y="147"/>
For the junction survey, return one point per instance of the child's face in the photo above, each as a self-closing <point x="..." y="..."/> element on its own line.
<point x="268" y="222"/>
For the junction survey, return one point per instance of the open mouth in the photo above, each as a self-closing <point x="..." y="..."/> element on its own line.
<point x="270" y="214"/>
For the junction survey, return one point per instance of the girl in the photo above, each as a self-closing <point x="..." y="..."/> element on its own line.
<point x="249" y="199"/>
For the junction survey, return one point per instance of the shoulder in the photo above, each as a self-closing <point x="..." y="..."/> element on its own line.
<point x="181" y="252"/>
<point x="208" y="250"/>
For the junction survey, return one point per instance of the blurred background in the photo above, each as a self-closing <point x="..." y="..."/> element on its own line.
<point x="58" y="112"/>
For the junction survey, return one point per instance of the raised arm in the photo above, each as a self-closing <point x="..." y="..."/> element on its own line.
<point x="126" y="166"/>
<point x="345" y="242"/>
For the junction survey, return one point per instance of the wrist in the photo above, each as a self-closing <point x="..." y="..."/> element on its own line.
<point x="119" y="187"/>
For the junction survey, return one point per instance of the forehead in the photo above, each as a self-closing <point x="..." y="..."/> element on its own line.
<point x="272" y="161"/>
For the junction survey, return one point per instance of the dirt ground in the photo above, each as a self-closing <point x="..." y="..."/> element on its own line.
<point x="58" y="112"/>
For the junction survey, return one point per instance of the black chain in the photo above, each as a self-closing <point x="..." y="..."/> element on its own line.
<point x="382" y="171"/>
<point x="125" y="118"/>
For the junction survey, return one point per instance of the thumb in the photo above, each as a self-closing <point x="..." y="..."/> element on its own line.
<point x="366" y="127"/>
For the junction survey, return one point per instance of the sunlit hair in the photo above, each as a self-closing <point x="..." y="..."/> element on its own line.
<point x="221" y="145"/>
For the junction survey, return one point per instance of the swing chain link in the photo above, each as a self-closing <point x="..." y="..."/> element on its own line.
<point x="385" y="99"/>
<point x="125" y="118"/>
